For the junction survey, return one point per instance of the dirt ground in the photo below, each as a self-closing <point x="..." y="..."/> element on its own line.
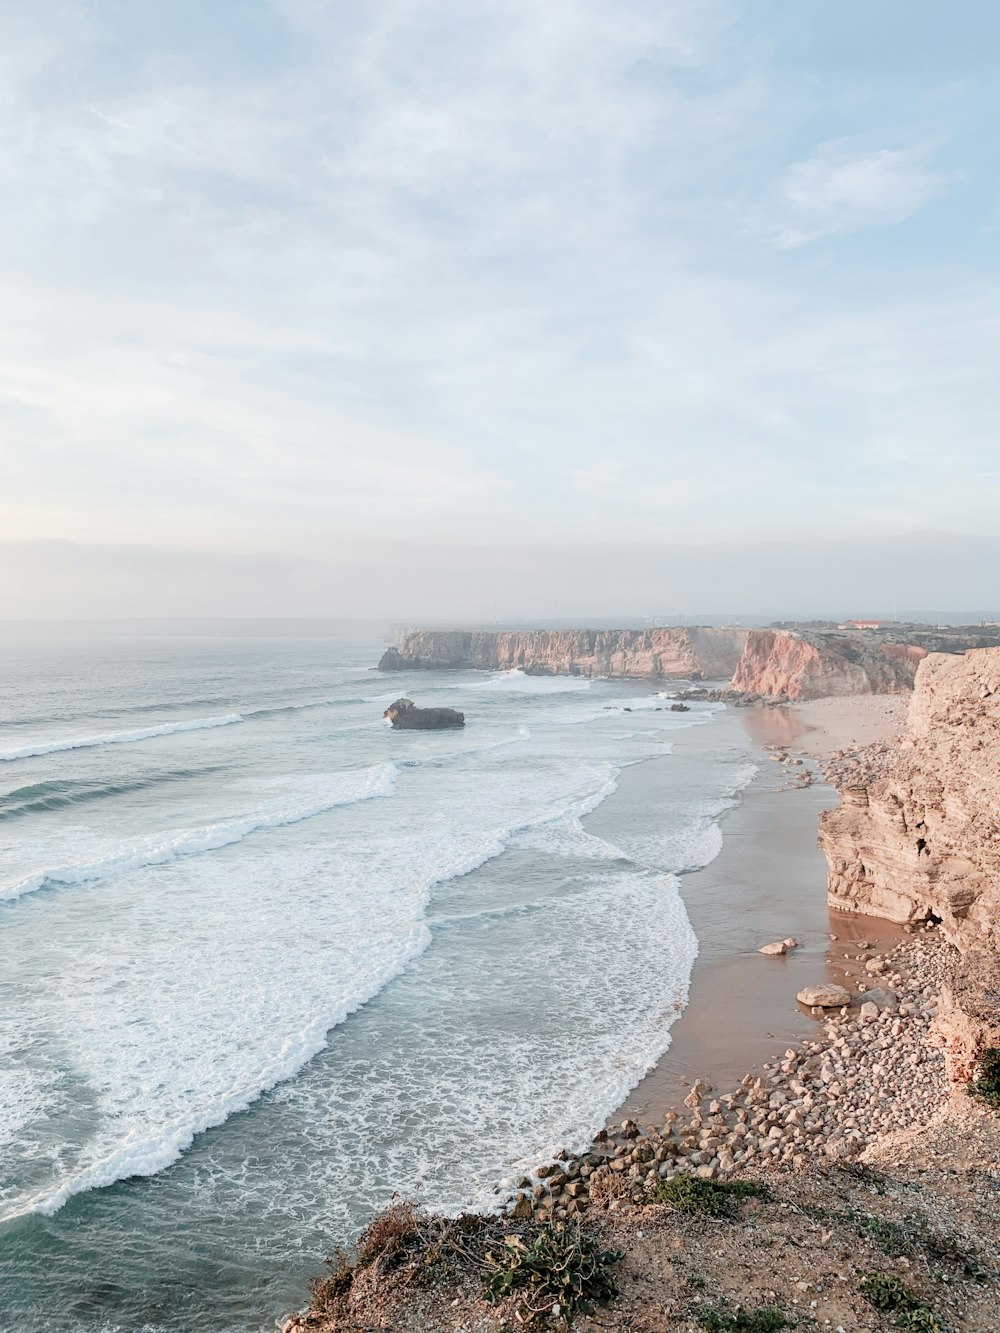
<point x="924" y="1207"/>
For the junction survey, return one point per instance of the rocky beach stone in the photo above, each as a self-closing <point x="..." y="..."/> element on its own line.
<point x="778" y="947"/>
<point x="880" y="996"/>
<point x="827" y="996"/>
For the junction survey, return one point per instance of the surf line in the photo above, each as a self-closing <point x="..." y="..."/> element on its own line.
<point x="118" y="737"/>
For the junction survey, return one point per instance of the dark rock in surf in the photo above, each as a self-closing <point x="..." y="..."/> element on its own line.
<point x="406" y="716"/>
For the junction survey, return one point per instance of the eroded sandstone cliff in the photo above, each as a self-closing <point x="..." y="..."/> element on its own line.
<point x="917" y="834"/>
<point x="771" y="664"/>
<point x="814" y="666"/>
<point x="678" y="652"/>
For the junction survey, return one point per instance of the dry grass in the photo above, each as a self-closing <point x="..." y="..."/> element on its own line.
<point x="606" y="1185"/>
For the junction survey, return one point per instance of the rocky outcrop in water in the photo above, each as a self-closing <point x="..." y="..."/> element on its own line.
<point x="679" y="652"/>
<point x="406" y="716"/>
<point x="916" y="836"/>
<point x="791" y="665"/>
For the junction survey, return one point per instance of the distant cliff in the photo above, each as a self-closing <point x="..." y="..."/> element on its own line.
<point x="678" y="653"/>
<point x="917" y="834"/>
<point x="772" y="664"/>
<point x="783" y="663"/>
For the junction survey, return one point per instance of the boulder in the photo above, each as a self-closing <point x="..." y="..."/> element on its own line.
<point x="406" y="716"/>
<point x="778" y="947"/>
<point x="882" y="997"/>
<point x="824" y="997"/>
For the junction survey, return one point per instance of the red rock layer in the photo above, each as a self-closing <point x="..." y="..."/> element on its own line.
<point x="801" y="666"/>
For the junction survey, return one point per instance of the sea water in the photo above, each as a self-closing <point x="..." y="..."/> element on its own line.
<point x="265" y="962"/>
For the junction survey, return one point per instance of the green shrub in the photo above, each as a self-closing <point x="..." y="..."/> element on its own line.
<point x="890" y="1295"/>
<point x="893" y="1238"/>
<point x="921" y="1320"/>
<point x="557" y="1270"/>
<point x="765" y="1319"/>
<point x="987" y="1086"/>
<point x="712" y="1198"/>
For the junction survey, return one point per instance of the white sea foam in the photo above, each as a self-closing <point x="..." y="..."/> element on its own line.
<point x="249" y="1015"/>
<point x="325" y="793"/>
<point x="540" y="1057"/>
<point x="142" y="1153"/>
<point x="185" y="992"/>
<point x="55" y="744"/>
<point x="517" y="681"/>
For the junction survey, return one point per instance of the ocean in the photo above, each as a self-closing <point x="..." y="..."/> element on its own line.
<point x="265" y="962"/>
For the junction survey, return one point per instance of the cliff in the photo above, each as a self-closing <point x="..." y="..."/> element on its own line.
<point x="917" y="834"/>
<point x="765" y="663"/>
<point x="795" y="665"/>
<point x="679" y="652"/>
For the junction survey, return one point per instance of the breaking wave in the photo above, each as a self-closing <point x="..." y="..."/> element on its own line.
<point x="56" y="744"/>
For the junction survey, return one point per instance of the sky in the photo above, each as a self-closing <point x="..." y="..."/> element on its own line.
<point x="410" y="306"/>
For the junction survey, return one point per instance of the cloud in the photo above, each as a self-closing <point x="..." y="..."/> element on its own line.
<point x="296" y="271"/>
<point x="841" y="190"/>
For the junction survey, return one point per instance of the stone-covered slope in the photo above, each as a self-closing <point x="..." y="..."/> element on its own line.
<point x="784" y="663"/>
<point x="679" y="652"/>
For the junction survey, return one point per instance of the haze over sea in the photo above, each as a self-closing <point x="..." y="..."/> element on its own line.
<point x="265" y="961"/>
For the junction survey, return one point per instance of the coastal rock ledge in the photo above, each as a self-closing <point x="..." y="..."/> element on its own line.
<point x="916" y="837"/>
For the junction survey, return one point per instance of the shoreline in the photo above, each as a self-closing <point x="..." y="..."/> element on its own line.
<point x="850" y="1164"/>
<point x="767" y="883"/>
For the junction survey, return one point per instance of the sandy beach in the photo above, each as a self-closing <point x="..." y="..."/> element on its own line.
<point x="836" y="724"/>
<point x="768" y="883"/>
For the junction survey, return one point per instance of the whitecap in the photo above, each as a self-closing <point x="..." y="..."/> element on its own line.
<point x="55" y="744"/>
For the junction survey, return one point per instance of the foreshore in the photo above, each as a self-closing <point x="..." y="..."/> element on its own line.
<point x="767" y="883"/>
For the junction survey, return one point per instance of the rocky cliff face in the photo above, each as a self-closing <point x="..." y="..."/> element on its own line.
<point x="759" y="662"/>
<point x="813" y="666"/>
<point x="679" y="653"/>
<point x="917" y="835"/>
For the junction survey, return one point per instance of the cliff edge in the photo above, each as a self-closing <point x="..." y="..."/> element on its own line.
<point x="793" y="665"/>
<point x="917" y="835"/>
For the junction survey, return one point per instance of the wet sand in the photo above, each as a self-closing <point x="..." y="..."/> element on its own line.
<point x="768" y="882"/>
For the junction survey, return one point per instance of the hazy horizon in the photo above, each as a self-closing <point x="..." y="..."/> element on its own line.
<point x="400" y="583"/>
